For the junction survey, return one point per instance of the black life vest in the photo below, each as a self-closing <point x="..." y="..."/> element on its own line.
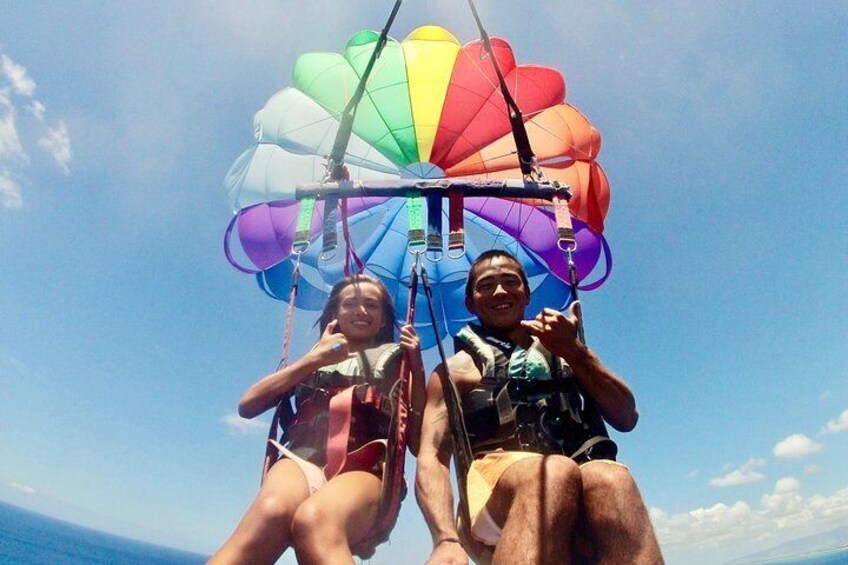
<point x="517" y="408"/>
<point x="373" y="373"/>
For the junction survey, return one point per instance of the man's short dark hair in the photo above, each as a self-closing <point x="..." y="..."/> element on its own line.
<point x="488" y="256"/>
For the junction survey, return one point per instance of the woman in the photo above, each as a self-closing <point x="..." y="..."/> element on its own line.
<point x="321" y="512"/>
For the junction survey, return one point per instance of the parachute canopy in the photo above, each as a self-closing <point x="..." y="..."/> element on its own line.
<point x="432" y="109"/>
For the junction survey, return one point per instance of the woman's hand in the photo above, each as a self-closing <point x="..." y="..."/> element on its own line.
<point x="412" y="346"/>
<point x="332" y="348"/>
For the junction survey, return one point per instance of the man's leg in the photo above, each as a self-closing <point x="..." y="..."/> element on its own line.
<point x="536" y="501"/>
<point x="615" y="517"/>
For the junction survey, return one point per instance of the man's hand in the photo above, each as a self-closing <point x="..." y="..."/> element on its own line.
<point x="448" y="553"/>
<point x="558" y="332"/>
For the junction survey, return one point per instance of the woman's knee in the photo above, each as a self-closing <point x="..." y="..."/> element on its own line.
<point x="274" y="509"/>
<point x="312" y="525"/>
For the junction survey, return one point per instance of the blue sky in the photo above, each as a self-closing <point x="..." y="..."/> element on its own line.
<point x="126" y="339"/>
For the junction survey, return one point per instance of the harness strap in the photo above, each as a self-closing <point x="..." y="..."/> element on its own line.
<point x="456" y="209"/>
<point x="335" y="162"/>
<point x="461" y="447"/>
<point x="391" y="494"/>
<point x="304" y="224"/>
<point x="565" y="229"/>
<point x="284" y="412"/>
<point x="330" y="239"/>
<point x="350" y="251"/>
<point x="526" y="157"/>
<point x="338" y="432"/>
<point x="415" y="215"/>
<point x="434" y="224"/>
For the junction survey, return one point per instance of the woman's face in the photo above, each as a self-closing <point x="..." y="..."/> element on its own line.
<point x="360" y="312"/>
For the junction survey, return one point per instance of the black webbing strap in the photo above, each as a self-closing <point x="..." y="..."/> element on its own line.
<point x="526" y="157"/>
<point x="336" y="160"/>
<point x="459" y="436"/>
<point x="590" y="407"/>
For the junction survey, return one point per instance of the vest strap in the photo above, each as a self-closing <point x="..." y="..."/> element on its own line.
<point x="338" y="433"/>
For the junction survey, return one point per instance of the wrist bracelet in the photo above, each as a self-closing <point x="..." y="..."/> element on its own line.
<point x="446" y="540"/>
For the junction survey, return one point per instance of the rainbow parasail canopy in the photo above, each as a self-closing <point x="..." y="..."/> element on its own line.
<point x="432" y="109"/>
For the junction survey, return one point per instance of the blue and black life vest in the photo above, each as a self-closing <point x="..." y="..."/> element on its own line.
<point x="527" y="400"/>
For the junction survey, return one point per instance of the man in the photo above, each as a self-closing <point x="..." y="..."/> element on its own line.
<point x="543" y="487"/>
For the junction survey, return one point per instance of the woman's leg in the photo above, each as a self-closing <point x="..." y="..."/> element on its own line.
<point x="265" y="531"/>
<point x="338" y="516"/>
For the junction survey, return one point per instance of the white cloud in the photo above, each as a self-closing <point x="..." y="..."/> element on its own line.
<point x="796" y="446"/>
<point x="26" y="489"/>
<point x="787" y="484"/>
<point x="17" y="76"/>
<point x="242" y="426"/>
<point x="37" y="110"/>
<point x="10" y="191"/>
<point x="838" y="425"/>
<point x="16" y="94"/>
<point x="57" y="142"/>
<point x="783" y="511"/>
<point x="10" y="142"/>
<point x="744" y="475"/>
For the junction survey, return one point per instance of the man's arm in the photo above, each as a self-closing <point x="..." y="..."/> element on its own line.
<point x="433" y="489"/>
<point x="558" y="333"/>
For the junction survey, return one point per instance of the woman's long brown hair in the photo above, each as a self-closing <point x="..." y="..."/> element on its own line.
<point x="386" y="334"/>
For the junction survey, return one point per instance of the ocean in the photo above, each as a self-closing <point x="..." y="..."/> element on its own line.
<point x="837" y="556"/>
<point x="27" y="538"/>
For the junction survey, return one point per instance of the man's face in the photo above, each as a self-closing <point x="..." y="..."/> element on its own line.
<point x="498" y="295"/>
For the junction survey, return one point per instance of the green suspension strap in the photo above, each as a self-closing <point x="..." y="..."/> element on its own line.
<point x="304" y="225"/>
<point x="415" y="216"/>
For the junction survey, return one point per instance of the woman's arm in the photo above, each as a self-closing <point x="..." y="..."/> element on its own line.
<point x="265" y="394"/>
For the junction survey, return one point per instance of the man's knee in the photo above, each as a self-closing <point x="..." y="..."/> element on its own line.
<point x="552" y="477"/>
<point x="611" y="498"/>
<point x="609" y="481"/>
